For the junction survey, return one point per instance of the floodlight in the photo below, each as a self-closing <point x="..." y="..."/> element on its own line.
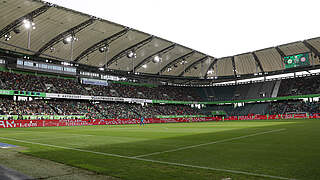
<point x="157" y="59"/>
<point x="131" y="54"/>
<point x="103" y="49"/>
<point x="29" y="24"/>
<point x="210" y="71"/>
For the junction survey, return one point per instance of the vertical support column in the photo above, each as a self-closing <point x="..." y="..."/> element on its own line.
<point x="106" y="59"/>
<point x="71" y="51"/>
<point x="132" y="65"/>
<point x="29" y="38"/>
<point x="312" y="58"/>
<point x="201" y="70"/>
<point x="160" y="66"/>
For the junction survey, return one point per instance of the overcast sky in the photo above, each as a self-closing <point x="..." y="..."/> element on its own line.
<point x="218" y="28"/>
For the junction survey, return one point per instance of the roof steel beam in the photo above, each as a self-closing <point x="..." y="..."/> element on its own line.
<point x="102" y="43"/>
<point x="280" y="52"/>
<point x="134" y="47"/>
<point x="176" y="60"/>
<point x="257" y="61"/>
<point x="30" y="16"/>
<point x="63" y="35"/>
<point x="161" y="52"/>
<point x="311" y="48"/>
<point x="234" y="66"/>
<point x="210" y="67"/>
<point x="193" y="64"/>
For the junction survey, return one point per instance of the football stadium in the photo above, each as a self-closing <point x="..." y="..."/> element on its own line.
<point x="82" y="97"/>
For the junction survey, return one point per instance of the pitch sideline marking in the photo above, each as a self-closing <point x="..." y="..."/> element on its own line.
<point x="214" y="142"/>
<point x="150" y="160"/>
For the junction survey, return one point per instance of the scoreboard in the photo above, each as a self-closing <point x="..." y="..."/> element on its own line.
<point x="296" y="60"/>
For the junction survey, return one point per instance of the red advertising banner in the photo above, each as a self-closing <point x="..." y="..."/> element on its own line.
<point x="246" y="117"/>
<point x="300" y="116"/>
<point x="278" y="116"/>
<point x="231" y="118"/>
<point x="260" y="117"/>
<point x="315" y="116"/>
<point x="91" y="122"/>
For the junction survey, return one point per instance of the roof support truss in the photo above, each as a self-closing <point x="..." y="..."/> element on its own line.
<point x="102" y="43"/>
<point x="193" y="64"/>
<point x="161" y="52"/>
<point x="30" y="16"/>
<point x="311" y="48"/>
<point x="234" y="66"/>
<point x="63" y="35"/>
<point x="257" y="61"/>
<point x="134" y="47"/>
<point x="280" y="52"/>
<point x="176" y="60"/>
<point x="210" y="67"/>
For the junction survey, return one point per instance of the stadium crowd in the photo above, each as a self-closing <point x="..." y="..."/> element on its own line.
<point x="294" y="107"/>
<point x="92" y="110"/>
<point x="28" y="82"/>
<point x="300" y="86"/>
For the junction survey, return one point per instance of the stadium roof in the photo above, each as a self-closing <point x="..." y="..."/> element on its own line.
<point x="54" y="27"/>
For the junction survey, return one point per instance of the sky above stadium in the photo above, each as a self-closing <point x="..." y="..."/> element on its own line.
<point x="218" y="28"/>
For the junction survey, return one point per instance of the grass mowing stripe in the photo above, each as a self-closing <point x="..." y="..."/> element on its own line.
<point x="79" y="135"/>
<point x="204" y="144"/>
<point x="154" y="161"/>
<point x="216" y="169"/>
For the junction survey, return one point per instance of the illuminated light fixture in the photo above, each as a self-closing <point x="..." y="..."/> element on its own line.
<point x="169" y="69"/>
<point x="104" y="49"/>
<point x="144" y="66"/>
<point x="52" y="49"/>
<point x="183" y="62"/>
<point x="69" y="39"/>
<point x="101" y="69"/>
<point x="131" y="54"/>
<point x="210" y="71"/>
<point x="7" y="37"/>
<point x="157" y="59"/>
<point x="29" y="24"/>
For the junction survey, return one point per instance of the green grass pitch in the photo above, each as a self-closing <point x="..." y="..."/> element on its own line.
<point x="265" y="149"/>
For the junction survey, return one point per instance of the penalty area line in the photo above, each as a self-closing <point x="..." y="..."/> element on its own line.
<point x="150" y="160"/>
<point x="209" y="143"/>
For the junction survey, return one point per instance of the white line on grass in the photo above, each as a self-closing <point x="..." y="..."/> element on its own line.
<point x="209" y="143"/>
<point x="150" y="160"/>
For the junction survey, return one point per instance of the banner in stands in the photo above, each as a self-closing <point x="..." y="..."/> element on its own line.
<point x="68" y="96"/>
<point x="94" y="82"/>
<point x="21" y="93"/>
<point x="97" y="98"/>
<point x="6" y="92"/>
<point x="173" y="102"/>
